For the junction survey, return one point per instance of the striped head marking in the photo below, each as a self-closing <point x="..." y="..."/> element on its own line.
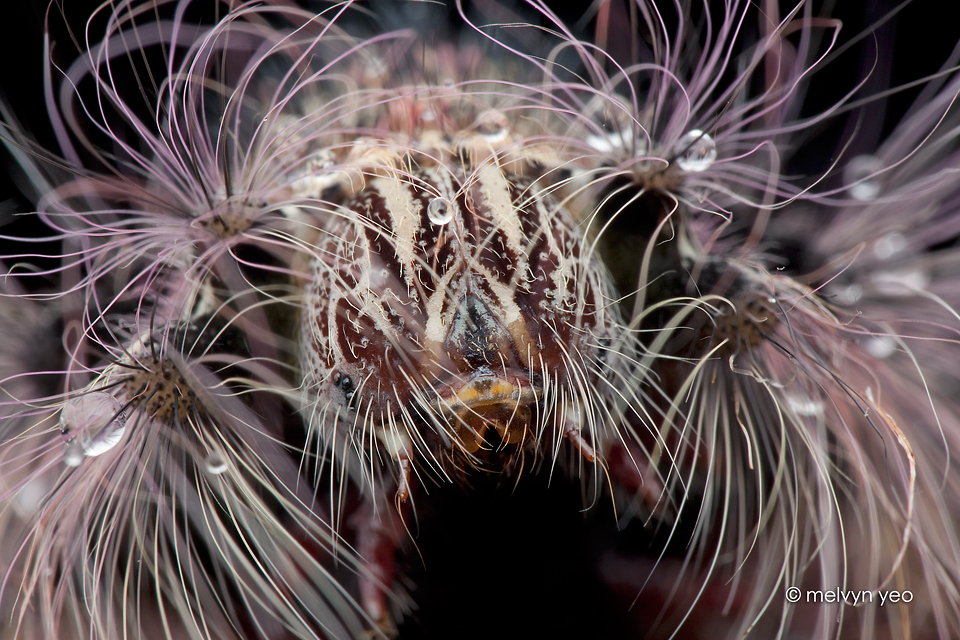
<point x="447" y="304"/>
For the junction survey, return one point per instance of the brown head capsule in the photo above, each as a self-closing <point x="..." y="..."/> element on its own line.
<point x="447" y="304"/>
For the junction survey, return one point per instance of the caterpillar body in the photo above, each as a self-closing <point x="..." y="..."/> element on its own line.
<point x="322" y="288"/>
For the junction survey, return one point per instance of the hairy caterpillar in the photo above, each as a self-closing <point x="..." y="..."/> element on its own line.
<point x="323" y="287"/>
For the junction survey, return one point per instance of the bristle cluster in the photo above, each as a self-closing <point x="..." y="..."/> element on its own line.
<point x="312" y="269"/>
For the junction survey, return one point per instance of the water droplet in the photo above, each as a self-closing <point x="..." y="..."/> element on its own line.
<point x="315" y="176"/>
<point x="214" y="463"/>
<point x="375" y="68"/>
<point x="613" y="141"/>
<point x="859" y="170"/>
<point x="613" y="123"/>
<point x="640" y="147"/>
<point x="91" y="425"/>
<point x="849" y="294"/>
<point x="889" y="245"/>
<point x="881" y="346"/>
<point x="805" y="406"/>
<point x="439" y="211"/>
<point x="493" y="126"/>
<point x="30" y="498"/>
<point x="73" y="455"/>
<point x="900" y="283"/>
<point x="696" y="151"/>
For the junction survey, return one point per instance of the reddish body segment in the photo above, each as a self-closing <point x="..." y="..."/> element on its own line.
<point x="432" y="332"/>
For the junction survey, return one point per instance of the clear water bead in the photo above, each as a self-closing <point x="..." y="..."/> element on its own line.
<point x="614" y="141"/>
<point x="73" y="455"/>
<point x="805" y="405"/>
<point x="375" y="68"/>
<point x="33" y="494"/>
<point x="859" y="170"/>
<point x="493" y="126"/>
<point x="881" y="346"/>
<point x="890" y="246"/>
<point x="215" y="464"/>
<point x="91" y="425"/>
<point x="439" y="212"/>
<point x="905" y="282"/>
<point x="696" y="151"/>
<point x="614" y="127"/>
<point x="849" y="294"/>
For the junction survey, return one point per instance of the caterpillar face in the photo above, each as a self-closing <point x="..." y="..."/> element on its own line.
<point x="447" y="302"/>
<point x="305" y="257"/>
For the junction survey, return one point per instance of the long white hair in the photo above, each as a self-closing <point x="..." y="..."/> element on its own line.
<point x="311" y="267"/>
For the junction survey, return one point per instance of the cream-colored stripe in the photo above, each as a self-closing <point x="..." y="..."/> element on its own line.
<point x="404" y="211"/>
<point x="438" y="325"/>
<point x="566" y="268"/>
<point x="495" y="189"/>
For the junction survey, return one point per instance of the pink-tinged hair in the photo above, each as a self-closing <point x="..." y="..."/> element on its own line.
<point x="774" y="426"/>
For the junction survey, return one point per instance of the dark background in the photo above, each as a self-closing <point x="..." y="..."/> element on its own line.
<point x="914" y="43"/>
<point x="529" y="553"/>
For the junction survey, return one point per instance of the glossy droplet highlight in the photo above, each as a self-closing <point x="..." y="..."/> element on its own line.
<point x="849" y="294"/>
<point x="805" y="405"/>
<point x="612" y="115"/>
<point x="439" y="212"/>
<point x="696" y="151"/>
<point x="616" y="140"/>
<point x="214" y="464"/>
<point x="493" y="126"/>
<point x="889" y="246"/>
<point x="91" y="425"/>
<point x="862" y="170"/>
<point x="73" y="455"/>
<point x="881" y="346"/>
<point x="315" y="176"/>
<point x="30" y="499"/>
<point x="900" y="283"/>
<point x="375" y="68"/>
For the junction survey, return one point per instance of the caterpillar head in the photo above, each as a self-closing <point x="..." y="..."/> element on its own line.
<point x="455" y="314"/>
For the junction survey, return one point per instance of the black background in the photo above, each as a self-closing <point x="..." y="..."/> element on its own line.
<point x="916" y="40"/>
<point x="528" y="557"/>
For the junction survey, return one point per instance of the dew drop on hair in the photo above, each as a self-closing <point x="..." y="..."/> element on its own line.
<point x="439" y="212"/>
<point x="214" y="464"/>
<point x="696" y="151"/>
<point x="91" y="425"/>
<point x="862" y="170"/>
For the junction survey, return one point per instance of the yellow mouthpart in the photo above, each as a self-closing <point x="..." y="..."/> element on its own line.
<point x="491" y="402"/>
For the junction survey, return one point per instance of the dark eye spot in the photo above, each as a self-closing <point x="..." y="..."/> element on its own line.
<point x="345" y="384"/>
<point x="603" y="345"/>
